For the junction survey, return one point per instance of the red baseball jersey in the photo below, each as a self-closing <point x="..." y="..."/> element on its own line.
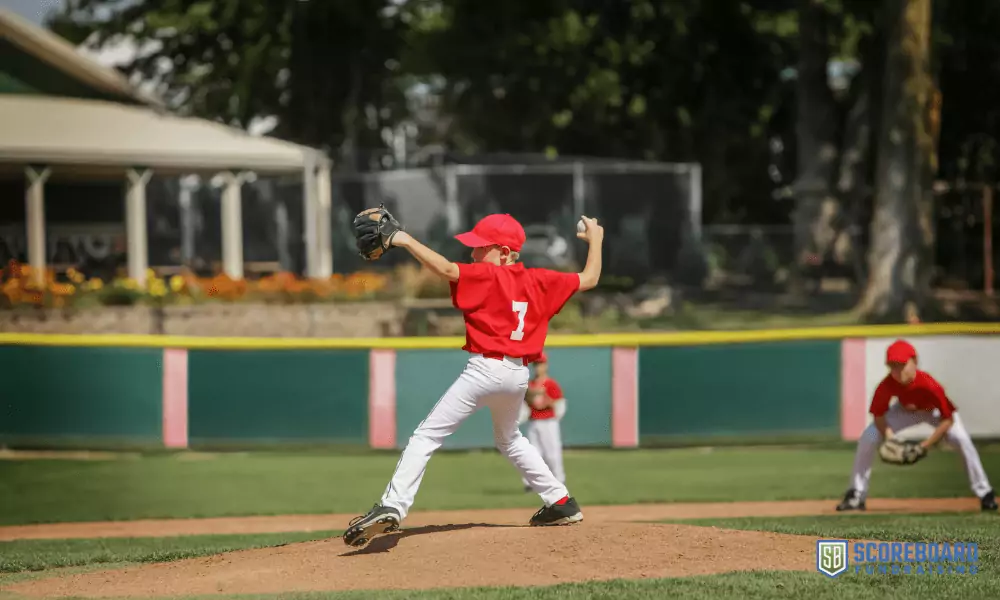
<point x="507" y="308"/>
<point x="552" y="391"/>
<point x="923" y="393"/>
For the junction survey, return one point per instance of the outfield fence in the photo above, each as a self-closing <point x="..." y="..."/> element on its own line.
<point x="622" y="390"/>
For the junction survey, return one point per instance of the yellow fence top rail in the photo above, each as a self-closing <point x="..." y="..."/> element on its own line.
<point x="678" y="338"/>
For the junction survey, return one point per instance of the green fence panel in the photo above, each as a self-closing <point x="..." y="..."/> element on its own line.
<point x="734" y="390"/>
<point x="81" y="396"/>
<point x="584" y="374"/>
<point x="278" y="396"/>
<point x="423" y="376"/>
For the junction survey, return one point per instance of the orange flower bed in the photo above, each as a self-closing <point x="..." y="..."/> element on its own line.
<point x="18" y="288"/>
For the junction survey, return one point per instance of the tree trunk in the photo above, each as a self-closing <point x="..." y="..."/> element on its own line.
<point x="900" y="257"/>
<point x="817" y="207"/>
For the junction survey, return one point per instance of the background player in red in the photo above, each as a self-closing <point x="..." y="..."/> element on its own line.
<point x="921" y="399"/>
<point x="507" y="309"/>
<point x="546" y="407"/>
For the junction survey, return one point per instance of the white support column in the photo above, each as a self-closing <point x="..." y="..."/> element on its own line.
<point x="451" y="205"/>
<point x="695" y="201"/>
<point x="232" y="225"/>
<point x="189" y="184"/>
<point x="135" y="223"/>
<point x="324" y="194"/>
<point x="34" y="199"/>
<point x="310" y="218"/>
<point x="579" y="191"/>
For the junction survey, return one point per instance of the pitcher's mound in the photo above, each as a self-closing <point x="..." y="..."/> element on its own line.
<point x="452" y="556"/>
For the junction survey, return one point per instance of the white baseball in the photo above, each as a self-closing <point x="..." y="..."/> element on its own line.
<point x="581" y="226"/>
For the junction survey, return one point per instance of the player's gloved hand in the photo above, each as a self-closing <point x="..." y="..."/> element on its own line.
<point x="373" y="232"/>
<point x="900" y="452"/>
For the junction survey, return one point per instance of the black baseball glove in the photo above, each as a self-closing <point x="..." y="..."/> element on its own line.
<point x="373" y="232"/>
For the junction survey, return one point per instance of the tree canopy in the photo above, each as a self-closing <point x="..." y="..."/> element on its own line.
<point x="783" y="102"/>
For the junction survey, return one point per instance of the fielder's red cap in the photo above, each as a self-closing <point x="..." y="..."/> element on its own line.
<point x="900" y="352"/>
<point x="494" y="230"/>
<point x="542" y="358"/>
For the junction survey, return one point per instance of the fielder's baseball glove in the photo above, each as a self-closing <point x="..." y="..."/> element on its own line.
<point x="532" y="396"/>
<point x="900" y="452"/>
<point x="373" y="232"/>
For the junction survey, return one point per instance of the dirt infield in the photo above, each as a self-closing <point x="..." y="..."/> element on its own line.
<point x="451" y="556"/>
<point x="456" y="549"/>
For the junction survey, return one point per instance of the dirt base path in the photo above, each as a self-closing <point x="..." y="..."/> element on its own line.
<point x="448" y="557"/>
<point x="513" y="516"/>
<point x="456" y="549"/>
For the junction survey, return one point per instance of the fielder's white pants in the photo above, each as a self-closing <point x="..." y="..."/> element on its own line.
<point x="497" y="384"/>
<point x="898" y="418"/>
<point x="545" y="435"/>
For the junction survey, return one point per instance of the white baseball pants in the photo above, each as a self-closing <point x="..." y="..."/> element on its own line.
<point x="545" y="435"/>
<point x="898" y="418"/>
<point x="497" y="384"/>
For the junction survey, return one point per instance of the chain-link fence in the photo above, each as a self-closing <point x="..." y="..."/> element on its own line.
<point x="968" y="236"/>
<point x="748" y="255"/>
<point x="761" y="257"/>
<point x="647" y="209"/>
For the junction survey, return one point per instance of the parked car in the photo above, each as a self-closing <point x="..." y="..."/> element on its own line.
<point x="548" y="248"/>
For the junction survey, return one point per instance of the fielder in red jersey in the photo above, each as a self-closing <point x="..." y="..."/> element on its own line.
<point x="507" y="309"/>
<point x="920" y="399"/>
<point x="546" y="405"/>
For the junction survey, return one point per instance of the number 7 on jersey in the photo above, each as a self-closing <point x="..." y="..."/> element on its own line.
<point x="521" y="308"/>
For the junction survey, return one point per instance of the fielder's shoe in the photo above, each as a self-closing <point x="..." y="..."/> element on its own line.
<point x="852" y="501"/>
<point x="988" y="501"/>
<point x="379" y="520"/>
<point x="564" y="512"/>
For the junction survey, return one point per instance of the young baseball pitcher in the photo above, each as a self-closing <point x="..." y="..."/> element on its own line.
<point x="546" y="407"/>
<point x="921" y="399"/>
<point x="507" y="309"/>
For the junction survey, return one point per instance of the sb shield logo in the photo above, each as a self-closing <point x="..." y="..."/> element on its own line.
<point x="831" y="557"/>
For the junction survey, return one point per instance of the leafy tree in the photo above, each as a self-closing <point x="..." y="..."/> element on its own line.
<point x="901" y="254"/>
<point x="835" y="132"/>
<point x="674" y="80"/>
<point x="325" y="70"/>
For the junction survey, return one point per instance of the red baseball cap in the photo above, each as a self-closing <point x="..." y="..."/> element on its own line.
<point x="542" y="358"/>
<point x="900" y="352"/>
<point x="494" y="230"/>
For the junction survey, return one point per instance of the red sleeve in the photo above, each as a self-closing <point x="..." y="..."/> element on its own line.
<point x="552" y="389"/>
<point x="883" y="395"/>
<point x="944" y="403"/>
<point x="472" y="287"/>
<point x="558" y="288"/>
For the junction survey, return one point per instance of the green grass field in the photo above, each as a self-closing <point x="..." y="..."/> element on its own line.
<point x="38" y="491"/>
<point x="177" y="485"/>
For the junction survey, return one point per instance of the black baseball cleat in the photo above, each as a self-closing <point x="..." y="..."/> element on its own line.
<point x="379" y="520"/>
<point x="988" y="502"/>
<point x="852" y="501"/>
<point x="558" y="514"/>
